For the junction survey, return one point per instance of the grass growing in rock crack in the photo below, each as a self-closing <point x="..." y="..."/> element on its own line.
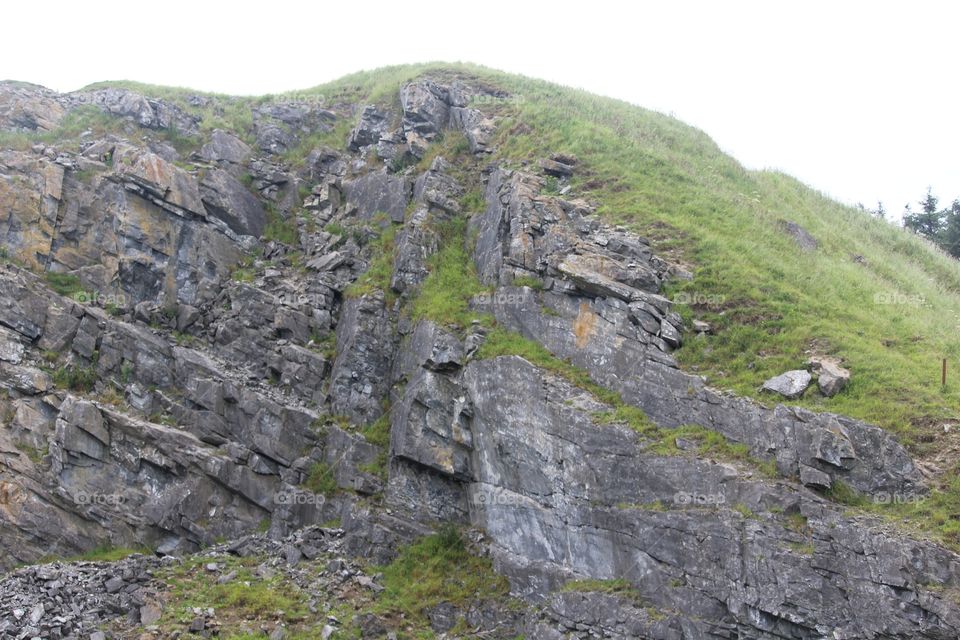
<point x="662" y="440"/>
<point x="444" y="296"/>
<point x="616" y="587"/>
<point x="280" y="229"/>
<point x="378" y="274"/>
<point x="438" y="568"/>
<point x="936" y="514"/>
<point x="378" y="433"/>
<point x="66" y="284"/>
<point x="321" y="479"/>
<point x="501" y="342"/>
<point x="75" y="378"/>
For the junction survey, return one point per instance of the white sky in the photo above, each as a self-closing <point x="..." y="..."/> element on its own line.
<point x="857" y="99"/>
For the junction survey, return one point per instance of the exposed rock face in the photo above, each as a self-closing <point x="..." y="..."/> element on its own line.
<point x="29" y="107"/>
<point x="146" y="112"/>
<point x="359" y="381"/>
<point x="278" y="126"/>
<point x="225" y="149"/>
<point x="373" y="125"/>
<point x="226" y="199"/>
<point x="201" y="372"/>
<point x="377" y="192"/>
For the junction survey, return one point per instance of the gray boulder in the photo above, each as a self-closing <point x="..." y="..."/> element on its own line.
<point x="831" y="377"/>
<point x="790" y="385"/>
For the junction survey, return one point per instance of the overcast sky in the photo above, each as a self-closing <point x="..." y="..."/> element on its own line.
<point x="857" y="99"/>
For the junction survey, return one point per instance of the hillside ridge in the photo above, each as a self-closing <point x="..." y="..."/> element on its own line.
<point x="438" y="298"/>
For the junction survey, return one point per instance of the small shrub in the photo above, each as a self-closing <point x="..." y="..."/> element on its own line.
<point x="528" y="281"/>
<point x="280" y="229"/>
<point x="75" y="378"/>
<point x="66" y="284"/>
<point x="436" y="569"/>
<point x="335" y="229"/>
<point x="473" y="201"/>
<point x="322" y="479"/>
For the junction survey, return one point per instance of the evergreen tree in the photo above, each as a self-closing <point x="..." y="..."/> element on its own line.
<point x="950" y="238"/>
<point x="929" y="222"/>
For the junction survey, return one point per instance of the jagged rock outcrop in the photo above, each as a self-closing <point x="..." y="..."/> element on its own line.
<point x="203" y="376"/>
<point x="29" y="107"/>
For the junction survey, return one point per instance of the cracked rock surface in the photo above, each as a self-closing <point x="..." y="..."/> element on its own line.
<point x="200" y="344"/>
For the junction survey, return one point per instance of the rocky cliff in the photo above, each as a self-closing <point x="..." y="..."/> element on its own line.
<point x="358" y="315"/>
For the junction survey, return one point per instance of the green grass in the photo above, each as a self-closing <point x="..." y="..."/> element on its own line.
<point x="617" y="586"/>
<point x="528" y="281"/>
<point x="377" y="276"/>
<point x="245" y="598"/>
<point x="321" y="479"/>
<point x="88" y="118"/>
<point x="444" y="296"/>
<point x="335" y="228"/>
<point x="768" y="301"/>
<point x="378" y="433"/>
<point x="335" y="138"/>
<point x="744" y="511"/>
<point x="937" y="513"/>
<point x="708" y="443"/>
<point x="280" y="229"/>
<point x="802" y="548"/>
<point x="473" y="201"/>
<point x="75" y="378"/>
<point x="501" y="342"/>
<point x="842" y="493"/>
<point x="110" y="554"/>
<point x="436" y="569"/>
<point x="35" y="455"/>
<point x="66" y="284"/>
